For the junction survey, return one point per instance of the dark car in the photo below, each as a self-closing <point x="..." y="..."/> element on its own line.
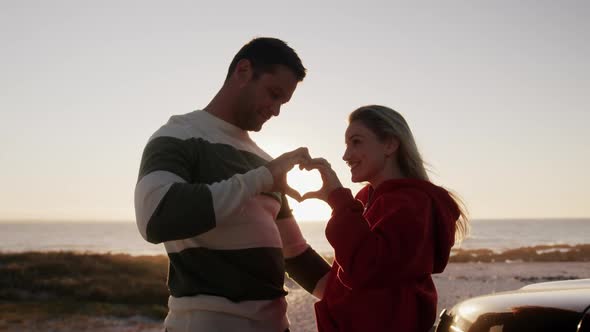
<point x="558" y="306"/>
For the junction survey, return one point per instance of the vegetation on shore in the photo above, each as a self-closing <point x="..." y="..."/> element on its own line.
<point x="541" y="253"/>
<point x="57" y="283"/>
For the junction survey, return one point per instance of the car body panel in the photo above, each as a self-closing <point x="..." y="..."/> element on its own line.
<point x="549" y="306"/>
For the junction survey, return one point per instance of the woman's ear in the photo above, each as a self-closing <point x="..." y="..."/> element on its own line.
<point x="391" y="146"/>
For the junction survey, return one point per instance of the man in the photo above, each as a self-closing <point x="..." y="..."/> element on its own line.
<point x="217" y="202"/>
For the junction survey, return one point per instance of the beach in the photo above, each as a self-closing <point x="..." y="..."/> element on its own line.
<point x="459" y="281"/>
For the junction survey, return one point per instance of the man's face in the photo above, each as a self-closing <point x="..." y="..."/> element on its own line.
<point x="262" y="97"/>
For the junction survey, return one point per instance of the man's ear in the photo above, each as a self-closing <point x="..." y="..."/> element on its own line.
<point x="243" y="72"/>
<point x="391" y="146"/>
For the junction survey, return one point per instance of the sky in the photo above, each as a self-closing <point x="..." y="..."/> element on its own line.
<point x="497" y="94"/>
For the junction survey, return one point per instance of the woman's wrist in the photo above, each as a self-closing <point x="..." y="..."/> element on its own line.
<point x="337" y="196"/>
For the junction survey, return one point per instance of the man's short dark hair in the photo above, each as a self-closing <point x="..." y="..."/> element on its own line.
<point x="265" y="54"/>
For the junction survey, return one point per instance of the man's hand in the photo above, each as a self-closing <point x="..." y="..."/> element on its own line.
<point x="329" y="178"/>
<point x="279" y="167"/>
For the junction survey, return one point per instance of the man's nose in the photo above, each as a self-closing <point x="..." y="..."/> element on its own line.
<point x="276" y="109"/>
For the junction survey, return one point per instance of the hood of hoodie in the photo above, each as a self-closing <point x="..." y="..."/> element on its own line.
<point x="445" y="212"/>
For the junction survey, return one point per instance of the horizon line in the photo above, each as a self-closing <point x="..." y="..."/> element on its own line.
<point x="66" y="220"/>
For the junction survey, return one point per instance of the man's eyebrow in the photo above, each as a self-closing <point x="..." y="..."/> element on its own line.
<point x="353" y="136"/>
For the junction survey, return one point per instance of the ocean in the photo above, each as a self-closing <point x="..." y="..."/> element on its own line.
<point x="123" y="237"/>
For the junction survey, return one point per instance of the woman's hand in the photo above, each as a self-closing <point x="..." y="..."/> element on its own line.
<point x="329" y="178"/>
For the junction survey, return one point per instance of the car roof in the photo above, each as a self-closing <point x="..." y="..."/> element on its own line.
<point x="569" y="296"/>
<point x="564" y="284"/>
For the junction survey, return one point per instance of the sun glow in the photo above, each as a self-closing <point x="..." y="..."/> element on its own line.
<point x="307" y="181"/>
<point x="301" y="180"/>
<point x="304" y="181"/>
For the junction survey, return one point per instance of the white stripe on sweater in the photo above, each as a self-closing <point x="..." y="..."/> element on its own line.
<point x="149" y="191"/>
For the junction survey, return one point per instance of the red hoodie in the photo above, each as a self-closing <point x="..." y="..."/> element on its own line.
<point x="387" y="243"/>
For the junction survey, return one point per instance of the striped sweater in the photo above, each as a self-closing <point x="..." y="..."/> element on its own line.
<point x="203" y="192"/>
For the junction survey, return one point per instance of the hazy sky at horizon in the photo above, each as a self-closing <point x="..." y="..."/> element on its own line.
<point x="496" y="93"/>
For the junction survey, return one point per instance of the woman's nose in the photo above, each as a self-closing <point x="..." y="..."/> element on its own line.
<point x="346" y="155"/>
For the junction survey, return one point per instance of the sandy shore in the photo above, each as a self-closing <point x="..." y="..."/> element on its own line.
<point x="460" y="281"/>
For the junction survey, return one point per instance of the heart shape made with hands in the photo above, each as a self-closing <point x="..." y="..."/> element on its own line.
<point x="304" y="181"/>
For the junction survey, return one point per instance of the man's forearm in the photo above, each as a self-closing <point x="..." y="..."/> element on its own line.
<point x="168" y="208"/>
<point x="309" y="269"/>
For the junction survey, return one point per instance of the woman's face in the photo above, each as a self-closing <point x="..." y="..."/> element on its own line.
<point x="366" y="155"/>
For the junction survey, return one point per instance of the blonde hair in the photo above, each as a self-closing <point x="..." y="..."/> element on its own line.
<point x="386" y="123"/>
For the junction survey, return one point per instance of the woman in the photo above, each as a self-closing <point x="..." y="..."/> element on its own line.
<point x="390" y="239"/>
